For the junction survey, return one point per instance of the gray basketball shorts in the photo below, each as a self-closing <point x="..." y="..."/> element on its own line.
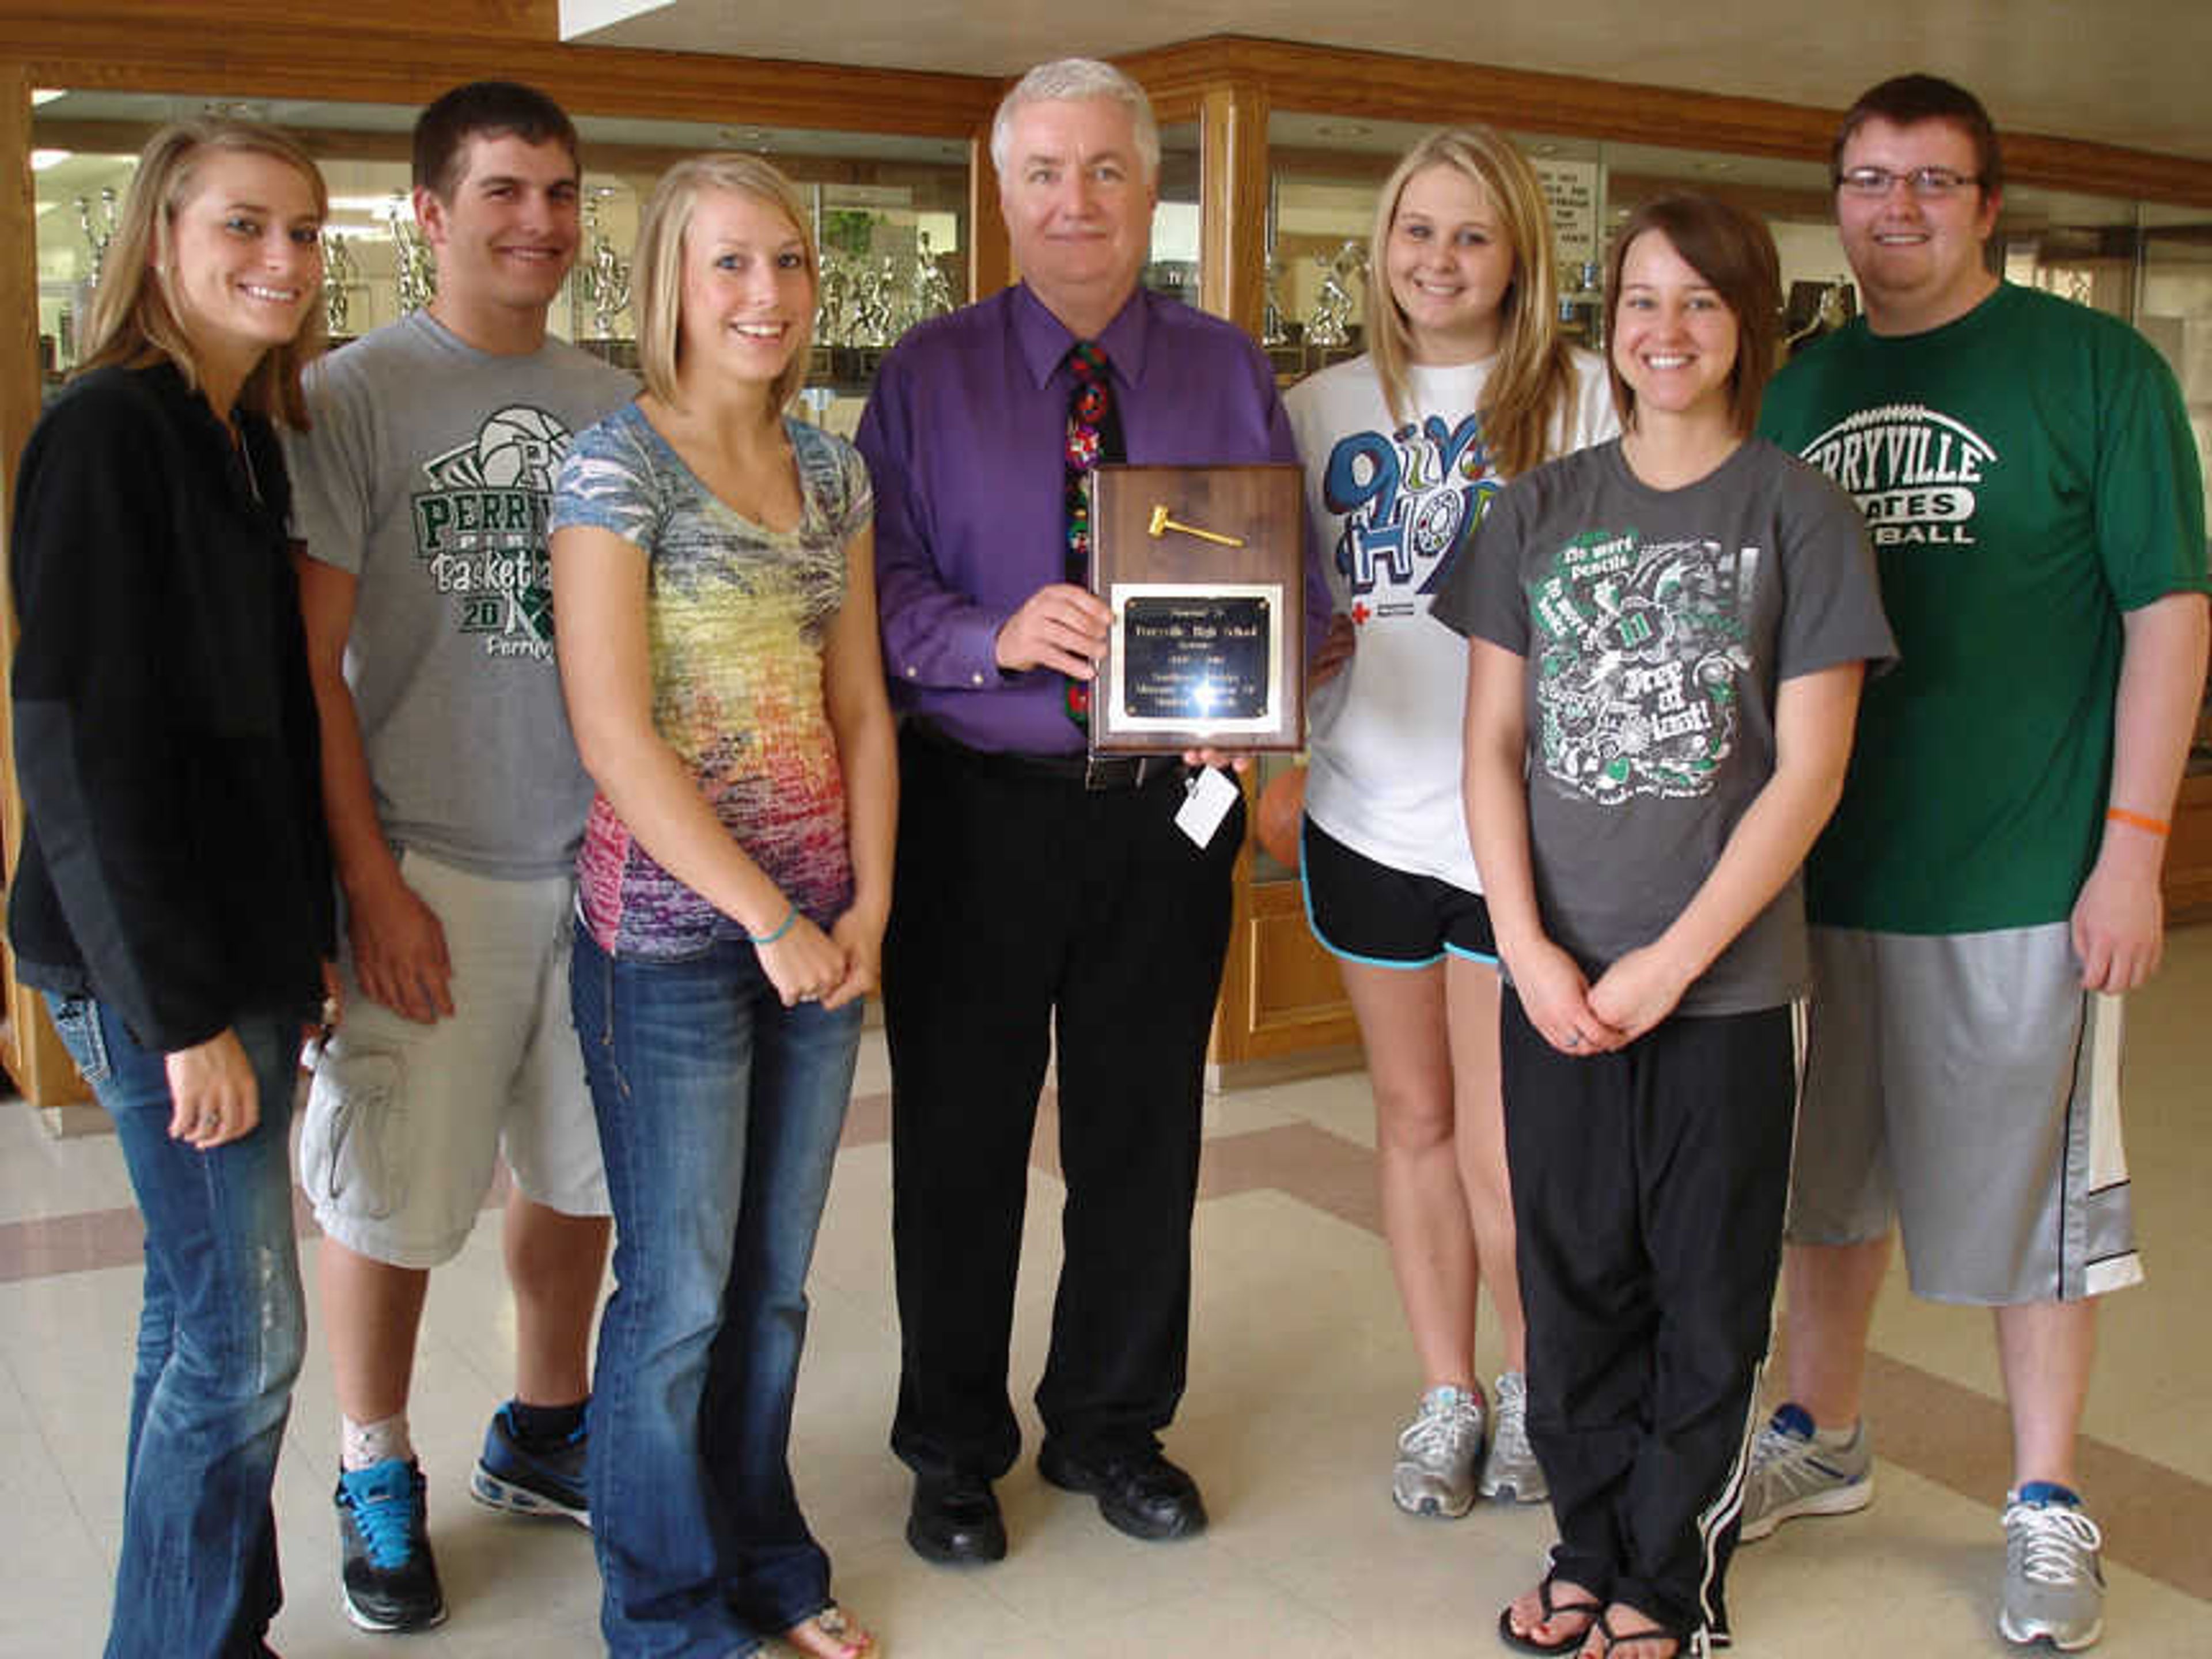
<point x="1966" y="1086"/>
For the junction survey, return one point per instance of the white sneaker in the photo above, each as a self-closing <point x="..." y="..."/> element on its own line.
<point x="1793" y="1474"/>
<point x="1438" y="1452"/>
<point x="2054" y="1582"/>
<point x="1510" y="1469"/>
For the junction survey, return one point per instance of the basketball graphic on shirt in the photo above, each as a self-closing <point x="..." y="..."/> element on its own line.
<point x="520" y="447"/>
<point x="480" y="530"/>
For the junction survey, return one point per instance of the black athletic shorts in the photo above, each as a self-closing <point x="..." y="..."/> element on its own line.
<point x="1367" y="912"/>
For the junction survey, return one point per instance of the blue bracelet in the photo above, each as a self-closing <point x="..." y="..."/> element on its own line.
<point x="781" y="928"/>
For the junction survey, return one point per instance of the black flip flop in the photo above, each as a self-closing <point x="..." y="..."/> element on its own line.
<point x="1614" y="1639"/>
<point x="1520" y="1644"/>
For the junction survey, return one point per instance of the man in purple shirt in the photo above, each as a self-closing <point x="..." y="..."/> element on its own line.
<point x="1036" y="895"/>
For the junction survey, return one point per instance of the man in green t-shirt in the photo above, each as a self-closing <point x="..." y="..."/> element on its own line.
<point x="1992" y="879"/>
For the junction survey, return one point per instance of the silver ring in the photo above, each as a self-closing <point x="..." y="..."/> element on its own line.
<point x="1574" y="1039"/>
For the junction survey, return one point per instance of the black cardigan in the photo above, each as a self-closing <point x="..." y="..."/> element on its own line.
<point x="174" y="861"/>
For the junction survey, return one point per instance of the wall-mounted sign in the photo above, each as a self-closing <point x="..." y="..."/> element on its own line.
<point x="1577" y="198"/>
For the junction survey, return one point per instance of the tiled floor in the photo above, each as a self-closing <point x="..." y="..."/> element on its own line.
<point x="1300" y="1374"/>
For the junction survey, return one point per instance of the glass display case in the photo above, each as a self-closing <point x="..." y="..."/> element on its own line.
<point x="1272" y="155"/>
<point x="1174" y="267"/>
<point x="891" y="215"/>
<point x="2148" y="265"/>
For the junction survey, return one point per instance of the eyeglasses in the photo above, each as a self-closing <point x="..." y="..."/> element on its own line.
<point x="1923" y="182"/>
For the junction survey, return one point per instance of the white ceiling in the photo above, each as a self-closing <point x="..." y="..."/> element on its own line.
<point x="2129" y="72"/>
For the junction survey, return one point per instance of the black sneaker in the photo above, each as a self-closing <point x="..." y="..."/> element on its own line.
<point x="512" y="1477"/>
<point x="388" y="1575"/>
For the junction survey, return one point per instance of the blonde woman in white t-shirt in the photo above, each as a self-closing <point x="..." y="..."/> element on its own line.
<point x="1465" y="383"/>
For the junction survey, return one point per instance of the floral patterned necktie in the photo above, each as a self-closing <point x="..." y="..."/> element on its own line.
<point x="1094" y="434"/>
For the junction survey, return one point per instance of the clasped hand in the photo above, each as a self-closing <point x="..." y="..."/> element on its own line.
<point x="808" y="965"/>
<point x="1638" y="991"/>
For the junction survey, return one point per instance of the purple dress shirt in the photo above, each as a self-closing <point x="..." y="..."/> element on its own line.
<point x="962" y="436"/>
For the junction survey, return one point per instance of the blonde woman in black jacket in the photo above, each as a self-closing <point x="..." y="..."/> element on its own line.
<point x="171" y="898"/>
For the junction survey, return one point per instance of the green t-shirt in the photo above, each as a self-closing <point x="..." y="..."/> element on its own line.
<point x="2027" y="474"/>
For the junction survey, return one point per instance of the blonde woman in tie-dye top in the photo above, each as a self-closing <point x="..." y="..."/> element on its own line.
<point x="735" y="616"/>
<point x="714" y="606"/>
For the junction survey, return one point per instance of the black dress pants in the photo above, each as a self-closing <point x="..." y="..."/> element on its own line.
<point x="1649" y="1187"/>
<point x="1027" y="905"/>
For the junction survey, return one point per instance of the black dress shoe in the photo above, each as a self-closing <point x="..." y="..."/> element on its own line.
<point x="955" y="1521"/>
<point x="1139" y="1490"/>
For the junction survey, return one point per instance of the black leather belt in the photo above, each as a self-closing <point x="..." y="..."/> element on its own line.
<point x="1093" y="772"/>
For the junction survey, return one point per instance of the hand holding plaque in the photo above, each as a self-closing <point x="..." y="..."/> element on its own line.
<point x="1204" y="570"/>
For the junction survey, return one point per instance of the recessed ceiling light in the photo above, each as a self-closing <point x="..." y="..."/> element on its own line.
<point x="46" y="95"/>
<point x="43" y="159"/>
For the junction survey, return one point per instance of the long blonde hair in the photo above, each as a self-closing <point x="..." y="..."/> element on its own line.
<point x="132" y="321"/>
<point x="658" y="265"/>
<point x="1533" y="378"/>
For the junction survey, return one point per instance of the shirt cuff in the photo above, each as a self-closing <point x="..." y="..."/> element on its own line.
<point x="962" y="655"/>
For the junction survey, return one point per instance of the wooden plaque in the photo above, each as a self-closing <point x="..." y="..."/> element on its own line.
<point x="1204" y="568"/>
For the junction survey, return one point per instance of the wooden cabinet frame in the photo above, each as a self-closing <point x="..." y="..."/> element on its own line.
<point x="1279" y="992"/>
<point x="404" y="52"/>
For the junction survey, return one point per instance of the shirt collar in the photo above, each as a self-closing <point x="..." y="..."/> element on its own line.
<point x="1043" y="340"/>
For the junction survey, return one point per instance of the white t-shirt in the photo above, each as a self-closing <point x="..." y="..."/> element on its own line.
<point x="1391" y="509"/>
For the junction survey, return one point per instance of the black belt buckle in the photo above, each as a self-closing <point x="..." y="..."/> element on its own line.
<point x="1126" y="771"/>
<point x="1112" y="771"/>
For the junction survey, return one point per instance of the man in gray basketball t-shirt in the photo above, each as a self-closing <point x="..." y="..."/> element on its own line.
<point x="456" y="801"/>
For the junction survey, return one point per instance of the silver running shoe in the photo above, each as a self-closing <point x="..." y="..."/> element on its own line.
<point x="1510" y="1469"/>
<point x="1436" y="1455"/>
<point x="1793" y="1474"/>
<point x="2054" y="1582"/>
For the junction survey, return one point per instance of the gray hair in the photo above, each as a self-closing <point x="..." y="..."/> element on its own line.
<point x="1069" y="78"/>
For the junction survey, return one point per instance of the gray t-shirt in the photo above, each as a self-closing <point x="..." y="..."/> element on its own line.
<point x="1657" y="625"/>
<point x="429" y="476"/>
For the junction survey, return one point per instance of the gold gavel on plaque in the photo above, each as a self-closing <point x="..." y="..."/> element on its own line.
<point x="1161" y="524"/>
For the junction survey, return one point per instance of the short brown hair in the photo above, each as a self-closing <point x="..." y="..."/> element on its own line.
<point x="657" y="268"/>
<point x="484" y="109"/>
<point x="1733" y="251"/>
<point x="1904" y="100"/>
<point x="132" y="321"/>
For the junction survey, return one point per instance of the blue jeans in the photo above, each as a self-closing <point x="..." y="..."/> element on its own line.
<point x="718" y="1110"/>
<point x="220" y="1341"/>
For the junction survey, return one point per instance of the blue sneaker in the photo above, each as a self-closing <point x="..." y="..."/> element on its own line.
<point x="388" y="1576"/>
<point x="510" y="1476"/>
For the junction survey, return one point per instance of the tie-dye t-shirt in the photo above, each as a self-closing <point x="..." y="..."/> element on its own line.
<point x="736" y="615"/>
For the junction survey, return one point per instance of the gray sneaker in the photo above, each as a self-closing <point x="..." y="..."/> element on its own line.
<point x="1793" y="1474"/>
<point x="2054" y="1582"/>
<point x="1436" y="1455"/>
<point x="1510" y="1469"/>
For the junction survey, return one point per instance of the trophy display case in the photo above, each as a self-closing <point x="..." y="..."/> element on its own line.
<point x="2151" y="265"/>
<point x="1273" y="153"/>
<point x="890" y="216"/>
<point x="891" y="212"/>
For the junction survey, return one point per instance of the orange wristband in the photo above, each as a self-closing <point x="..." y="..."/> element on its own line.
<point x="2136" y="821"/>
